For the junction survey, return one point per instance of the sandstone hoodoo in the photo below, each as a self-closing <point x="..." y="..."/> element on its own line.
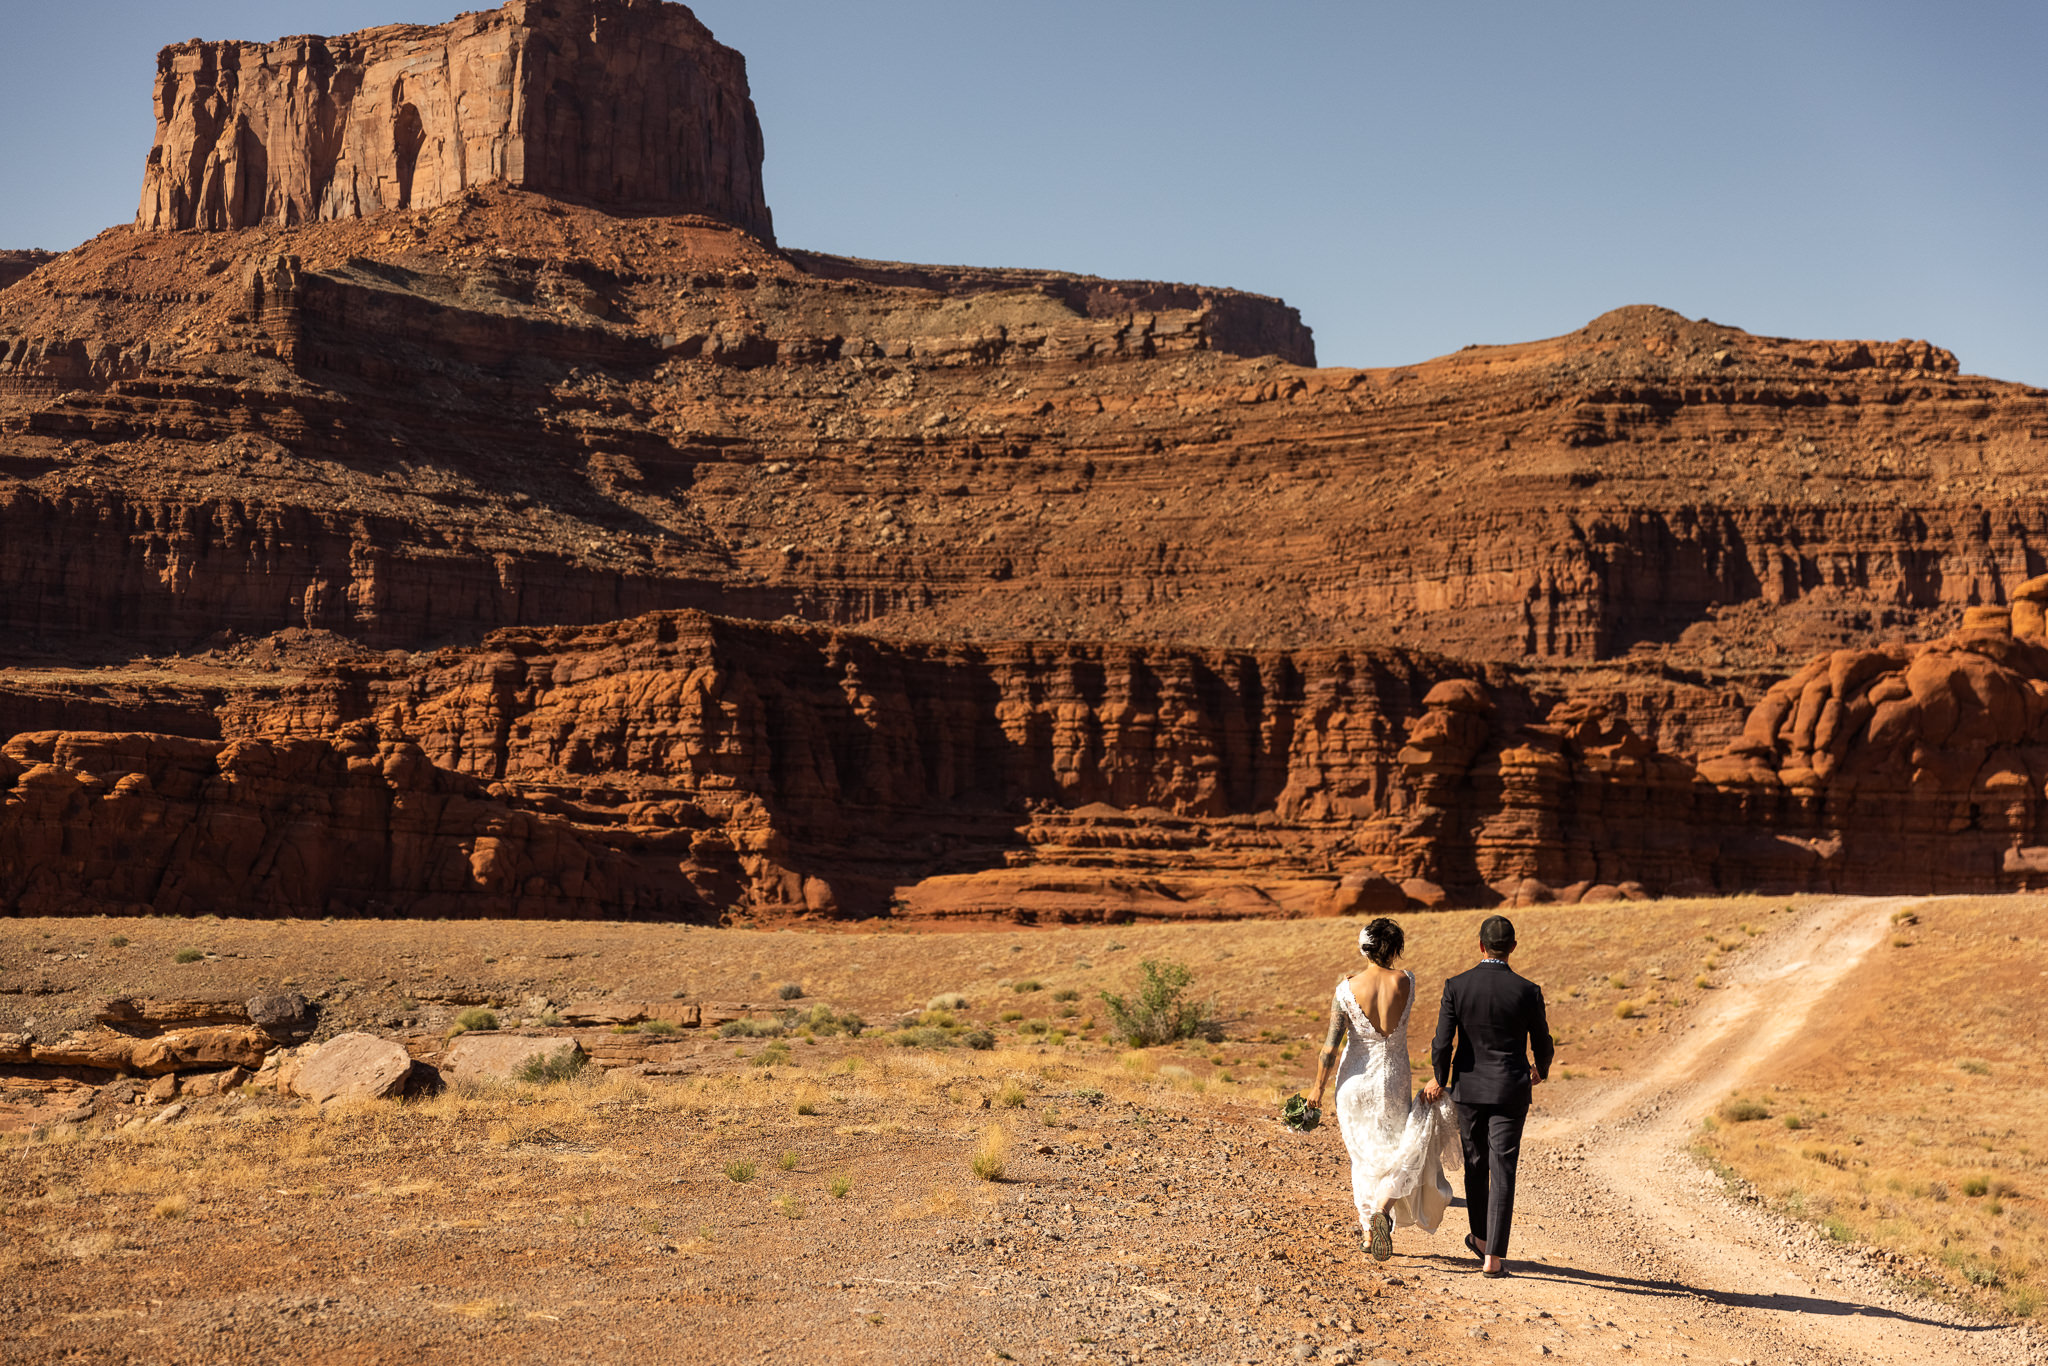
<point x="480" y="514"/>
<point x="626" y="103"/>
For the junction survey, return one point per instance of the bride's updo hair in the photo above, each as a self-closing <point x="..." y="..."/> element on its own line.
<point x="1382" y="942"/>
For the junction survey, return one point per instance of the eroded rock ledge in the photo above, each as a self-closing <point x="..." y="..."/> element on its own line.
<point x="683" y="765"/>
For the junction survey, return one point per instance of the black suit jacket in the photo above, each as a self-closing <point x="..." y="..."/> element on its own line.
<point x="1490" y="1021"/>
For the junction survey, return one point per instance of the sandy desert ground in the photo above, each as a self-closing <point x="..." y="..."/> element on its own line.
<point x="815" y="1194"/>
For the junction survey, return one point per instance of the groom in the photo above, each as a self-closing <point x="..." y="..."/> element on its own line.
<point x="1490" y="1020"/>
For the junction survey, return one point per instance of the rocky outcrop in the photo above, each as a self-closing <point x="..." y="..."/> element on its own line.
<point x="624" y="103"/>
<point x="15" y="264"/>
<point x="344" y="825"/>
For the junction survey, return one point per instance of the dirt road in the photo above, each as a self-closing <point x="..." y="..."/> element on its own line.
<point x="1624" y="1243"/>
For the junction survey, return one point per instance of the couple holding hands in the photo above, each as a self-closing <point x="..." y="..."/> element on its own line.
<point x="1489" y="1024"/>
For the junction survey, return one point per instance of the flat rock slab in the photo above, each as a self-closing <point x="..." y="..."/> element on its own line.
<point x="353" y="1067"/>
<point x="499" y="1056"/>
<point x="677" y="1013"/>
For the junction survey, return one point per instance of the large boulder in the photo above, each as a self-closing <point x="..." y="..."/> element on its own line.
<point x="285" y="1015"/>
<point x="353" y="1067"/>
<point x="499" y="1057"/>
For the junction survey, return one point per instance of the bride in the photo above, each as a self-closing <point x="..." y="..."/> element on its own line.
<point x="1396" y="1143"/>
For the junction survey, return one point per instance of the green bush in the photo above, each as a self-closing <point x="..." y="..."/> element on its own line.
<point x="119" y="941"/>
<point x="750" y="1029"/>
<point x="1161" y="1013"/>
<point x="187" y="956"/>
<point x="790" y="991"/>
<point x="476" y="1017"/>
<point x="1028" y="984"/>
<point x="542" y="1068"/>
<point x="978" y="1039"/>
<point x="657" y="1027"/>
<point x="1066" y="994"/>
<point x="1743" y="1111"/>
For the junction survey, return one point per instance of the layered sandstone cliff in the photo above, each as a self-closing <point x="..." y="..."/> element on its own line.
<point x="627" y="103"/>
<point x="687" y="765"/>
<point x="491" y="384"/>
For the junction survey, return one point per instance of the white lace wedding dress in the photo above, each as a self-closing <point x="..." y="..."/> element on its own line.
<point x="1398" y="1146"/>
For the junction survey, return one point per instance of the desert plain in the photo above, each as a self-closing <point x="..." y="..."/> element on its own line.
<point x="781" y="1187"/>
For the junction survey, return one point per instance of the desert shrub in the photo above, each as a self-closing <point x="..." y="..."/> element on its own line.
<point x="171" y="1207"/>
<point x="1011" y="1097"/>
<point x="1011" y="1016"/>
<point x="1905" y="918"/>
<point x="1028" y="984"/>
<point x="1161" y="1013"/>
<point x="750" y="1029"/>
<point x="987" y="1162"/>
<point x="1626" y="1010"/>
<point x="1975" y="1068"/>
<point x="739" y="1171"/>
<point x="788" y="1160"/>
<point x="549" y="1019"/>
<point x="839" y="1186"/>
<point x="808" y="1099"/>
<point x="1937" y="1190"/>
<point x="1739" y="1111"/>
<point x="1703" y="981"/>
<point x="822" y="1019"/>
<point x="119" y="941"/>
<point x="658" y="1027"/>
<point x="1975" y="1185"/>
<point x="1794" y="1122"/>
<point x="937" y="1019"/>
<point x="187" y="956"/>
<point x="921" y="1036"/>
<point x="1618" y="981"/>
<point x="543" y="1068"/>
<point x="1066" y="994"/>
<point x="979" y="1039"/>
<point x="789" y="1205"/>
<point x="790" y="991"/>
<point x="947" y="1000"/>
<point x="476" y="1017"/>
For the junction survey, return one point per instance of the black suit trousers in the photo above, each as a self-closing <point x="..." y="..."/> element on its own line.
<point x="1492" y="1137"/>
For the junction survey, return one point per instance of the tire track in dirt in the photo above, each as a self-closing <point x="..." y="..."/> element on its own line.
<point x="1627" y="1248"/>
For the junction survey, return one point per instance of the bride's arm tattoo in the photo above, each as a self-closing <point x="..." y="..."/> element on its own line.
<point x="1326" y="1061"/>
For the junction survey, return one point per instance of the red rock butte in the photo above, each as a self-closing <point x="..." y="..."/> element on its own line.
<point x="474" y="511"/>
<point x="630" y="104"/>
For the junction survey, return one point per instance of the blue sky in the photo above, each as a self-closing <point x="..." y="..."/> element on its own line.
<point x="1411" y="177"/>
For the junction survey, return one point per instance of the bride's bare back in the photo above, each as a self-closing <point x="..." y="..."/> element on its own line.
<point x="1382" y="993"/>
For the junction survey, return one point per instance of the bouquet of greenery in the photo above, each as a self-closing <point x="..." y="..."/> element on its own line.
<point x="1298" y="1115"/>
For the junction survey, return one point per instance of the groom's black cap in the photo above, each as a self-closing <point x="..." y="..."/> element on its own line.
<point x="1497" y="934"/>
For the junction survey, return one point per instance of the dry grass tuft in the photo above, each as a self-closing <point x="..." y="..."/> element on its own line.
<point x="171" y="1208"/>
<point x="987" y="1163"/>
